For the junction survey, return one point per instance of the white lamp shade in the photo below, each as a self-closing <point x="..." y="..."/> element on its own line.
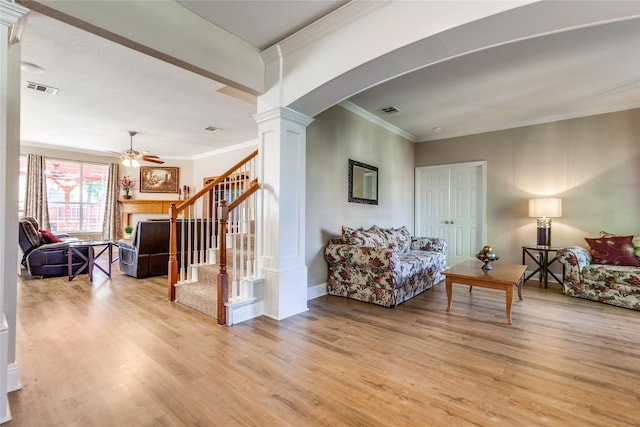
<point x="545" y="208"/>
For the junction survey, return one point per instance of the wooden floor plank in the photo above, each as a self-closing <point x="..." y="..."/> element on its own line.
<point x="116" y="352"/>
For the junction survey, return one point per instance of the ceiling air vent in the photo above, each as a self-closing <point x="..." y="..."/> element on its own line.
<point x="389" y="110"/>
<point x="42" y="88"/>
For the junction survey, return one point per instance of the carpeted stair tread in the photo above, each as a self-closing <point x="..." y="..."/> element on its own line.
<point x="200" y="296"/>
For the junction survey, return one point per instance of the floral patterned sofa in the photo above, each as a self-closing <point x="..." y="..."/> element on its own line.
<point x="383" y="266"/>
<point x="589" y="274"/>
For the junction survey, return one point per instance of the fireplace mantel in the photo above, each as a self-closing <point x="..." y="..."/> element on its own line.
<point x="138" y="206"/>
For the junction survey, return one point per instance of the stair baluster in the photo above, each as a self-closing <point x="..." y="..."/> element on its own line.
<point x="199" y="242"/>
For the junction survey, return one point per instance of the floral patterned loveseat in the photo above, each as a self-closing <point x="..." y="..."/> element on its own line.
<point x="383" y="266"/>
<point x="604" y="282"/>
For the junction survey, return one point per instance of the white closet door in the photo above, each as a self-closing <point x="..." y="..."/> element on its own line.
<point x="433" y="202"/>
<point x="450" y="203"/>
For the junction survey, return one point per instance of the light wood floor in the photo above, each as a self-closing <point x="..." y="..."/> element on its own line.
<point x="116" y="353"/>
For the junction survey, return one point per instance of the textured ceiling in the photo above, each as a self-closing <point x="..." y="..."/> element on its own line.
<point x="106" y="89"/>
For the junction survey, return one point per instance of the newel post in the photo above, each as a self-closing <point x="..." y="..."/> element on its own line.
<point x="173" y="248"/>
<point x="223" y="277"/>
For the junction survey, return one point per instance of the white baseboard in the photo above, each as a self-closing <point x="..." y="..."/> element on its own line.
<point x="316" y="291"/>
<point x="240" y="313"/>
<point x="13" y="377"/>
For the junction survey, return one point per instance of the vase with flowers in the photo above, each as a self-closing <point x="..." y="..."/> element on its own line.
<point x="127" y="185"/>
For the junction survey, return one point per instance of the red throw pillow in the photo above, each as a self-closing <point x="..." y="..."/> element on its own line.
<point x="49" y="237"/>
<point x="615" y="250"/>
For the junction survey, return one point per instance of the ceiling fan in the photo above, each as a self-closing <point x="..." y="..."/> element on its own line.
<point x="130" y="157"/>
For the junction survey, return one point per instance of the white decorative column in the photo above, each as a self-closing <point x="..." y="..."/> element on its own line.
<point x="281" y="226"/>
<point x="10" y="14"/>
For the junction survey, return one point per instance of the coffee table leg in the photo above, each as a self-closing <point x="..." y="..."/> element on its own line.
<point x="509" y="300"/>
<point x="448" y="288"/>
<point x="520" y="283"/>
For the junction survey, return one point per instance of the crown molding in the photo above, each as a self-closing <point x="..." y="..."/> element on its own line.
<point x="240" y="146"/>
<point x="350" y="106"/>
<point x="339" y="18"/>
<point x="11" y="12"/>
<point x="285" y="113"/>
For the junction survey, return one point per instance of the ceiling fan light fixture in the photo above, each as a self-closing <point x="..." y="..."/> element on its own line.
<point x="132" y="158"/>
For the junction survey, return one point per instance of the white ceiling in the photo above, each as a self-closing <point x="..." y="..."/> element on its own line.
<point x="246" y="18"/>
<point x="107" y="89"/>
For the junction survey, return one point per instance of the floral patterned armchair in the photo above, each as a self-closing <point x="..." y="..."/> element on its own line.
<point x="611" y="284"/>
<point x="383" y="266"/>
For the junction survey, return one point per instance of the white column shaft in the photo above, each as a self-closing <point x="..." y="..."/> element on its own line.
<point x="282" y="145"/>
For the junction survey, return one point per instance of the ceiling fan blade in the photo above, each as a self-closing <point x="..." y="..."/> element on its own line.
<point x="150" y="156"/>
<point x="147" y="159"/>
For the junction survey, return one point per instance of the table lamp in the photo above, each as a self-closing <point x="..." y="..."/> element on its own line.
<point x="545" y="209"/>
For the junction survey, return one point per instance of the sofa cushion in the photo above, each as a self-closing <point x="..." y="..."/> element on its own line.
<point x="398" y="239"/>
<point x="615" y="250"/>
<point x="609" y="274"/>
<point x="362" y="238"/>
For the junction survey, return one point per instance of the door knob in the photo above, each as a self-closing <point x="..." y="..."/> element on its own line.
<point x="446" y="221"/>
<point x="451" y="222"/>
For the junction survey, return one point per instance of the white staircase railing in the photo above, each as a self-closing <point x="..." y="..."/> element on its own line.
<point x="217" y="226"/>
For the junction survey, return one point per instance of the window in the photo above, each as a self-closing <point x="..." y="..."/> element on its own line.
<point x="23" y="185"/>
<point x="76" y="193"/>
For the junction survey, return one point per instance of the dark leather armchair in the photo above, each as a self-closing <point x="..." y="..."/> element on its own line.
<point x="45" y="259"/>
<point x="147" y="253"/>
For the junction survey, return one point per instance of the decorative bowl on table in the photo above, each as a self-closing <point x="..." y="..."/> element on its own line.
<point x="487" y="256"/>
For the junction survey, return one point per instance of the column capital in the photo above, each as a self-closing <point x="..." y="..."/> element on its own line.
<point x="284" y="113"/>
<point x="11" y="12"/>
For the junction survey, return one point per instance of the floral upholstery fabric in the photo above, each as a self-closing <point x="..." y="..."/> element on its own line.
<point x="398" y="239"/>
<point x="362" y="238"/>
<point x="610" y="284"/>
<point x="385" y="276"/>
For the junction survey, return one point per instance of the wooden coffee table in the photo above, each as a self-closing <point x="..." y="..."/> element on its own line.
<point x="502" y="277"/>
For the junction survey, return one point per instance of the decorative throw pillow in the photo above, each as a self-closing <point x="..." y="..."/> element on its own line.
<point x="378" y="231"/>
<point x="398" y="239"/>
<point x="635" y="242"/>
<point x="361" y="238"/>
<point x="49" y="237"/>
<point x="346" y="235"/>
<point x="615" y="250"/>
<point x="636" y="245"/>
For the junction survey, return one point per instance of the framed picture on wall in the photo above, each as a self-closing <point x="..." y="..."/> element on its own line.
<point x="159" y="179"/>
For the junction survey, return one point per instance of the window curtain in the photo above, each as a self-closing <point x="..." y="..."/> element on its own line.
<point x="111" y="226"/>
<point x="35" y="204"/>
